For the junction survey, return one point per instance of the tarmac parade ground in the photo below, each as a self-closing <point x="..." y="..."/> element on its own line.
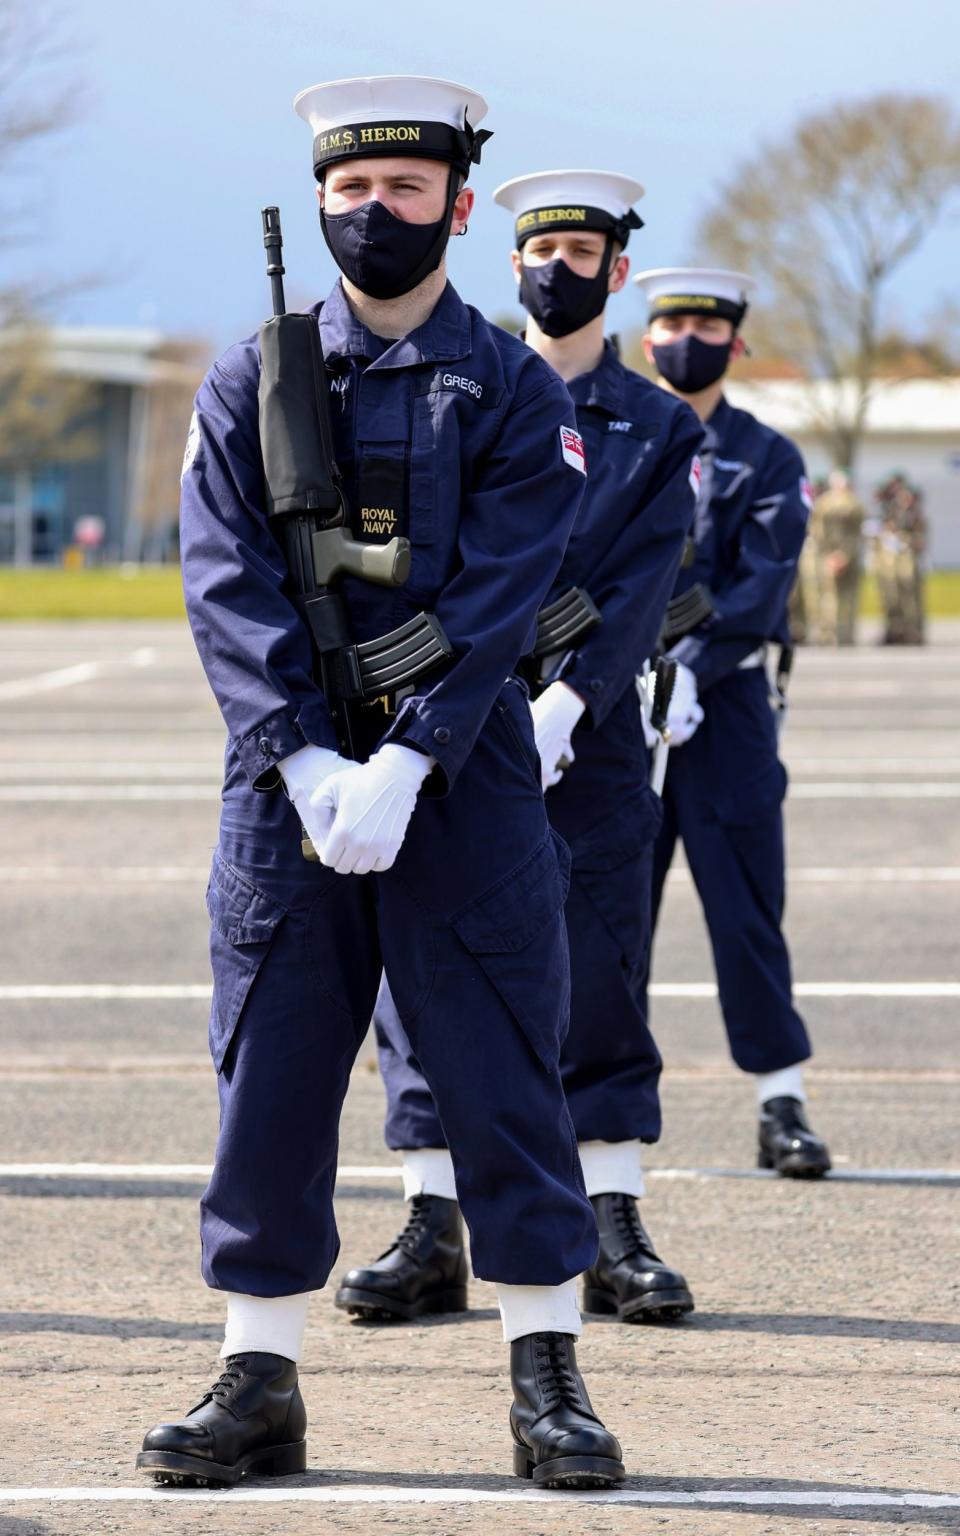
<point x="815" y="1388"/>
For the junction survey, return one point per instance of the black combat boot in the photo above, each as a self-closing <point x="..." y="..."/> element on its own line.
<point x="252" y="1421"/>
<point x="628" y="1277"/>
<point x="558" y="1441"/>
<point x="424" y="1269"/>
<point x="787" y="1142"/>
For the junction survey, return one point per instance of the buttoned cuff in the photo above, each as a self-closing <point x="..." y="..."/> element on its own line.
<point x="424" y="728"/>
<point x="280" y="736"/>
<point x="596" y="693"/>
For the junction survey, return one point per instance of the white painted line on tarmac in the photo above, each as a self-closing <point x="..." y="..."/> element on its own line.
<point x="149" y="874"/>
<point x="106" y="992"/>
<point x="916" y="989"/>
<point x="850" y="874"/>
<point x="86" y="723"/>
<point x="897" y="789"/>
<point x="19" y="771"/>
<point x="46" y="682"/>
<point x="688" y="990"/>
<point x="752" y="1498"/>
<point x="69" y="677"/>
<point x="806" y="716"/>
<point x="164" y="1171"/>
<point x="63" y="793"/>
<point x="128" y="874"/>
<point x="809" y="790"/>
<point x="393" y="1171"/>
<point x="821" y="764"/>
<point x="112" y="1171"/>
<point x="837" y="1176"/>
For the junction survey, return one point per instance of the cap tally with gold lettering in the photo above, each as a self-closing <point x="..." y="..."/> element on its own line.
<point x="696" y="291"/>
<point x="564" y="200"/>
<point x="393" y="115"/>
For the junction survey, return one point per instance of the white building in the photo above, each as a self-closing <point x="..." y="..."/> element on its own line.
<point x="138" y="387"/>
<point x="912" y="425"/>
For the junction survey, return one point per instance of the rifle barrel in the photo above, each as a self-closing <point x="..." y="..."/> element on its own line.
<point x="273" y="243"/>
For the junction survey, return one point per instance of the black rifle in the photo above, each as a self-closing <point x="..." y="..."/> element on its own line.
<point x="781" y="682"/>
<point x="664" y="679"/>
<point x="304" y="486"/>
<point x="306" y="501"/>
<point x="686" y="612"/>
<point x="566" y="619"/>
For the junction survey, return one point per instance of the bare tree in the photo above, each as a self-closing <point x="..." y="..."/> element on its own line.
<point x="163" y="417"/>
<point x="43" y="415"/>
<point x="823" y="219"/>
<point x="35" y="103"/>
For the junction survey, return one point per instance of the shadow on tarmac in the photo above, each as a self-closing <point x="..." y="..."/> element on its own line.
<point x="800" y="1324"/>
<point x="106" y="1327"/>
<point x="30" y="1187"/>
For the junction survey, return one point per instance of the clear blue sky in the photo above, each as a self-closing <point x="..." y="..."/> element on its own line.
<point x="185" y="128"/>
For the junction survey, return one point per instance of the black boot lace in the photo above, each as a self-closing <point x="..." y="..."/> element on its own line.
<point x="786" y="1115"/>
<point x="630" y="1229"/>
<point x="228" y="1381"/>
<point x="409" y="1238"/>
<point x="557" y="1381"/>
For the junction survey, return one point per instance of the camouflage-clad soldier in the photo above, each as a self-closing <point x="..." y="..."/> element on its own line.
<point x="803" y="609"/>
<point x="901" y="545"/>
<point x="836" y="533"/>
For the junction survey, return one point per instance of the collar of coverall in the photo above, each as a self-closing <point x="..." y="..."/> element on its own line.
<point x="444" y="337"/>
<point x="716" y="425"/>
<point x="604" y="386"/>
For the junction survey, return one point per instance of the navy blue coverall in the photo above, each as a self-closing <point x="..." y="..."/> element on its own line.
<point x="625" y="551"/>
<point x="468" y="924"/>
<point x="725" y="787"/>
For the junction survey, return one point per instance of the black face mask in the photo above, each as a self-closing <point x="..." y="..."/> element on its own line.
<point x="559" y="299"/>
<point x="691" y="364"/>
<point x="382" y="255"/>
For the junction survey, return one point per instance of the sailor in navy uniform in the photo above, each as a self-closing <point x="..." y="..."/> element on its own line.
<point x="725" y="784"/>
<point x="620" y="567"/>
<point x="436" y="860"/>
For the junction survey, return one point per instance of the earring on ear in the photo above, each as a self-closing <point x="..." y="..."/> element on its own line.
<point x="461" y="231"/>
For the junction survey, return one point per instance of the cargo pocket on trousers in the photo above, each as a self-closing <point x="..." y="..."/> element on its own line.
<point x="515" y="931"/>
<point x="243" y="923"/>
<point x="611" y="866"/>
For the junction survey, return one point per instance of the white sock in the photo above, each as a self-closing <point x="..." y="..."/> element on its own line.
<point x="538" y="1309"/>
<point x="785" y="1084"/>
<point x="271" y="1325"/>
<point x="428" y="1171"/>
<point x="612" y="1167"/>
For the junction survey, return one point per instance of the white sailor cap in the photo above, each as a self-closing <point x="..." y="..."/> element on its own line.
<point x="696" y="291"/>
<point x="393" y="115"/>
<point x="560" y="200"/>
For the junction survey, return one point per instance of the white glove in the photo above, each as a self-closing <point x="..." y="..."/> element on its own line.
<point x="684" y="713"/>
<point x="646" y="682"/>
<point x="361" y="811"/>
<point x="303" y="773"/>
<point x="555" y="713"/>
